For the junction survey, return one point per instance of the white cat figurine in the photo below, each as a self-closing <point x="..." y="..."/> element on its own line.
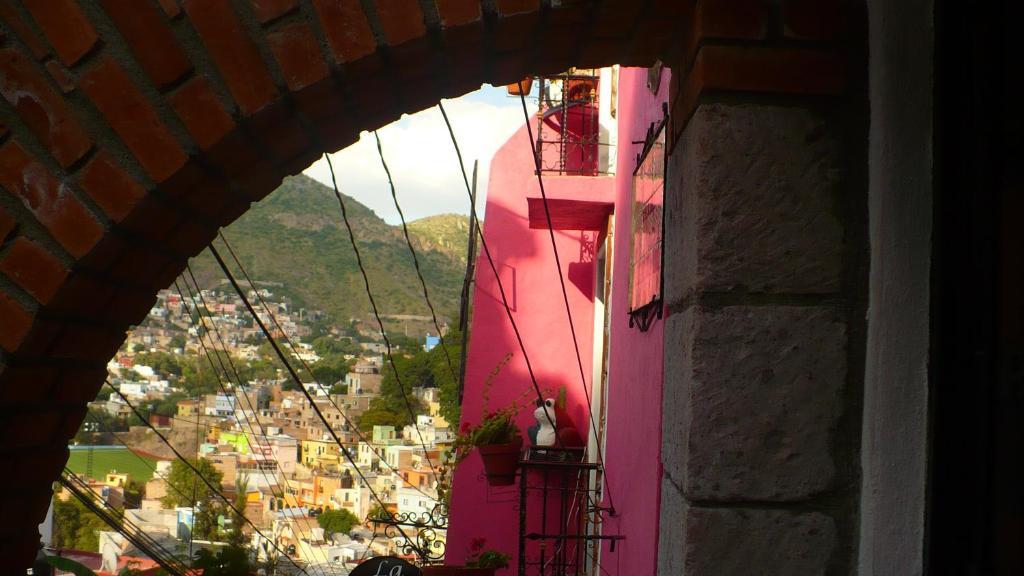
<point x="545" y="415"/>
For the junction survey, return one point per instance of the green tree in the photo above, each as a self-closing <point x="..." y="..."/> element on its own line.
<point x="184" y="481"/>
<point x="331" y="368"/>
<point x="75" y="526"/>
<point x="177" y="341"/>
<point x="230" y="561"/>
<point x="337" y="521"/>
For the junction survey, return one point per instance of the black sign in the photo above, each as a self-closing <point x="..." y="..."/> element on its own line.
<point x="386" y="566"/>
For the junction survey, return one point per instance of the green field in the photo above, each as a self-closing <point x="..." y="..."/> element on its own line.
<point x="104" y="461"/>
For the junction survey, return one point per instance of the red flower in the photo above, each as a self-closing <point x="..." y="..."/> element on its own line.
<point x="464" y="428"/>
<point x="477" y="544"/>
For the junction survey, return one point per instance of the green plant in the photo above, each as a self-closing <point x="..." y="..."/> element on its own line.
<point x="498" y="427"/>
<point x="481" y="558"/>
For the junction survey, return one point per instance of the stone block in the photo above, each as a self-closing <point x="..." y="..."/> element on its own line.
<point x="752" y="203"/>
<point x="751" y="397"/>
<point x="725" y="541"/>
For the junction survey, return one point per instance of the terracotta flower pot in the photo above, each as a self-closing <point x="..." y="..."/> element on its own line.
<point x="456" y="571"/>
<point x="501" y="461"/>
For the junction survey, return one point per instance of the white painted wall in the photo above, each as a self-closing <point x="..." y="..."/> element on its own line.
<point x="895" y="436"/>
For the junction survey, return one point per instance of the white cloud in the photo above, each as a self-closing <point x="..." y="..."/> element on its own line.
<point x="421" y="158"/>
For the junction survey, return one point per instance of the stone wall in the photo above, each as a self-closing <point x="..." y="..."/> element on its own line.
<point x="766" y="269"/>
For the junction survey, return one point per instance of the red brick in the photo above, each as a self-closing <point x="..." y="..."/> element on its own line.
<point x="30" y="266"/>
<point x="52" y="202"/>
<point x="17" y="321"/>
<point x="26" y="384"/>
<point x="41" y="108"/>
<point x="267" y="10"/>
<point x="170" y="7"/>
<point x="297" y="53"/>
<point x="87" y="342"/>
<point x="190" y="238"/>
<point x="777" y="70"/>
<point x="129" y="307"/>
<point x="201" y="111"/>
<point x="134" y="120"/>
<point x="458" y="12"/>
<point x="150" y="39"/>
<point x="34" y="43"/>
<point x="744" y="19"/>
<point x="346" y="27"/>
<point x="108" y="185"/>
<point x="280" y="132"/>
<point x="510" y="7"/>
<point x="83" y="295"/>
<point x="77" y="386"/>
<point x="60" y="76"/>
<point x="153" y="219"/>
<point x="24" y="429"/>
<point x="820" y="20"/>
<point x="233" y="52"/>
<point x="402" y="20"/>
<point x="7" y="226"/>
<point x="64" y="25"/>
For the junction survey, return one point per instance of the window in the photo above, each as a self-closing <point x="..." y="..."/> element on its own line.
<point x="645" y="261"/>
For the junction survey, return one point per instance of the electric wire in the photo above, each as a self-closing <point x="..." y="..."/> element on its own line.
<point x="146" y="462"/>
<point x="376" y="314"/>
<point x="295" y="376"/>
<point x="238" y="378"/>
<point x="348" y="422"/>
<point x="220" y="360"/>
<point x="497" y="277"/>
<point x="415" y="259"/>
<point x="116" y="519"/>
<point x="565" y="293"/>
<point x="204" y="479"/>
<point x="501" y="290"/>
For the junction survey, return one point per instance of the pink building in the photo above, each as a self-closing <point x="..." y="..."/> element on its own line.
<point x="591" y="193"/>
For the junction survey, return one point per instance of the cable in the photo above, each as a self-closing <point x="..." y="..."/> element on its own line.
<point x="497" y="278"/>
<point x="295" y="377"/>
<point x="415" y="259"/>
<point x="238" y="378"/>
<point x="348" y="422"/>
<point x="565" y="293"/>
<point x="203" y="478"/>
<point x="376" y="314"/>
<point x="117" y="521"/>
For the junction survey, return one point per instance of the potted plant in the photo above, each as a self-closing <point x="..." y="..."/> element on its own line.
<point x="479" y="562"/>
<point x="496" y="437"/>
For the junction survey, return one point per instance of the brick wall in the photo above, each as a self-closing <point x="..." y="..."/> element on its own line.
<point x="130" y="131"/>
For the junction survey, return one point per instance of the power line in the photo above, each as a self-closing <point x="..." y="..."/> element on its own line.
<point x="497" y="277"/>
<point x="348" y="422"/>
<point x="295" y="377"/>
<point x="565" y="293"/>
<point x="116" y="520"/>
<point x="415" y="259"/>
<point x="220" y="360"/>
<point x="376" y="312"/>
<point x="205" y="480"/>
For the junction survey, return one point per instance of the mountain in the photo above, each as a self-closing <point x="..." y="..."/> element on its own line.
<point x="296" y="237"/>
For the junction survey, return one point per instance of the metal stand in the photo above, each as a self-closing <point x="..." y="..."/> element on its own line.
<point x="552" y="537"/>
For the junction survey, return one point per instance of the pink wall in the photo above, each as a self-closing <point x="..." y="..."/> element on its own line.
<point x="633" y="449"/>
<point x="525" y="262"/>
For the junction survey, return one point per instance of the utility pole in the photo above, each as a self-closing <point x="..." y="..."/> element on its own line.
<point x="466" y="282"/>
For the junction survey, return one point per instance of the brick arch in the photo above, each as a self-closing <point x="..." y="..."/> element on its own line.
<point x="132" y="130"/>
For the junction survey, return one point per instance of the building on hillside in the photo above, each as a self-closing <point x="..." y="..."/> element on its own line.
<point x="189" y="408"/>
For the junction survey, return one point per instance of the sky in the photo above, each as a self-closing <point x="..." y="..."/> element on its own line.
<point x="421" y="158"/>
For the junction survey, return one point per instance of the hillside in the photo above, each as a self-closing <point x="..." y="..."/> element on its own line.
<point x="296" y="236"/>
